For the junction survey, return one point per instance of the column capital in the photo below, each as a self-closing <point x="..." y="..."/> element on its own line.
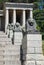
<point x="14" y="9"/>
<point x="31" y="9"/>
<point x="23" y="9"/>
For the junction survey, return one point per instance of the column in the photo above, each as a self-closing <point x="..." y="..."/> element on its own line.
<point x="6" y="19"/>
<point x="24" y="18"/>
<point x="14" y="16"/>
<point x="31" y="14"/>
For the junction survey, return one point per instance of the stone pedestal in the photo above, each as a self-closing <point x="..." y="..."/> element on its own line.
<point x="18" y="38"/>
<point x="32" y="49"/>
<point x="17" y="43"/>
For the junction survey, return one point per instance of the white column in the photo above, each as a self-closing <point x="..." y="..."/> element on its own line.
<point x="24" y="18"/>
<point x="31" y="14"/>
<point x="14" y="16"/>
<point x="6" y="19"/>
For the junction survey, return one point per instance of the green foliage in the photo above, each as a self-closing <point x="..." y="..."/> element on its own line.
<point x="3" y="1"/>
<point x="35" y="5"/>
<point x="38" y="28"/>
<point x="39" y="17"/>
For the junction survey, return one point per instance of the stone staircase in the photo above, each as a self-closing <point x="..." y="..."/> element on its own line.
<point x="9" y="53"/>
<point x="4" y="41"/>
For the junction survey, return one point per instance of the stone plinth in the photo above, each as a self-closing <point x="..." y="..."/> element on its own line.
<point x="17" y="43"/>
<point x="32" y="49"/>
<point x="18" y="38"/>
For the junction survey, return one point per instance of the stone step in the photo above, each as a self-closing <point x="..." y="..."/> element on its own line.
<point x="13" y="62"/>
<point x="12" y="46"/>
<point x="1" y="32"/>
<point x="9" y="57"/>
<point x="8" y="52"/>
<point x="2" y="44"/>
<point x="3" y="36"/>
<point x="4" y="39"/>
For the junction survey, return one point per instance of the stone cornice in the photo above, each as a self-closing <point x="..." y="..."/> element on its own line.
<point x="18" y="5"/>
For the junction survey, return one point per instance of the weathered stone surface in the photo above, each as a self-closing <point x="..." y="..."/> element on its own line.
<point x="32" y="44"/>
<point x="12" y="47"/>
<point x="18" y="38"/>
<point x="32" y="50"/>
<point x="18" y="35"/>
<point x="5" y="40"/>
<point x="37" y="57"/>
<point x="38" y="50"/>
<point x="1" y="63"/>
<point x="39" y="62"/>
<point x="29" y="62"/>
<point x="34" y="37"/>
<point x="28" y="50"/>
<point x="12" y="63"/>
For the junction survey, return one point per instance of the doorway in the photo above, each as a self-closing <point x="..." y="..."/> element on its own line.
<point x="19" y="16"/>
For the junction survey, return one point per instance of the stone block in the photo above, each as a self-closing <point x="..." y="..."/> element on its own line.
<point x="34" y="37"/>
<point x="38" y="50"/>
<point x="18" y="35"/>
<point x="29" y="50"/>
<point x="18" y="38"/>
<point x="9" y="52"/>
<point x="27" y="44"/>
<point x="12" y="57"/>
<point x="12" y="63"/>
<point x="37" y="57"/>
<point x="17" y="41"/>
<point x="1" y="63"/>
<point x="3" y="36"/>
<point x="29" y="63"/>
<point x="32" y="50"/>
<point x="39" y="62"/>
<point x="2" y="52"/>
<point x="34" y="43"/>
<point x="5" y="40"/>
<point x="32" y="40"/>
<point x="1" y="57"/>
<point x="12" y="47"/>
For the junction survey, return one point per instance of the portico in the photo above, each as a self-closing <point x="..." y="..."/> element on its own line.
<point x="19" y="13"/>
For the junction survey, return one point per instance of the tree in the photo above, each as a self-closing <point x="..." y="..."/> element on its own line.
<point x="39" y="17"/>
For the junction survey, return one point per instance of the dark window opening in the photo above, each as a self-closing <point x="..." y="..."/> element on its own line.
<point x="10" y="16"/>
<point x="19" y="17"/>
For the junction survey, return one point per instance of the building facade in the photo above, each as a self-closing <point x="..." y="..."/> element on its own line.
<point x="15" y="12"/>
